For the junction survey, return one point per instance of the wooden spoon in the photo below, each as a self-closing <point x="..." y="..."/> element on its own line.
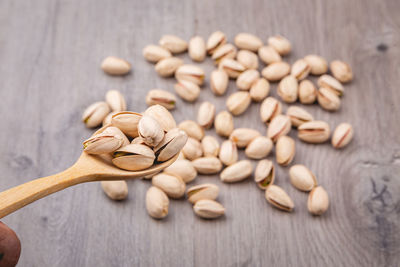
<point x="88" y="168"/>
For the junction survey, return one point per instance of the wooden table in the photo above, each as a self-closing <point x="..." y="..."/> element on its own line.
<point x="50" y="54"/>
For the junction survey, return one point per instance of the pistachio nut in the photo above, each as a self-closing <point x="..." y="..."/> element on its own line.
<point x="318" y="201"/>
<point x="102" y="144"/>
<point x="317" y="63"/>
<point x="259" y="147"/>
<point x="207" y="165"/>
<point x="327" y="99"/>
<point x="183" y="169"/>
<point x="116" y="190"/>
<point x="219" y="82"/>
<point x="94" y="115"/>
<point x="278" y="198"/>
<point x="231" y="67"/>
<point x="314" y="132"/>
<point x="172" y="185"/>
<point x="248" y="59"/>
<point x="224" y="123"/>
<point x="115" y="66"/>
<point x="238" y="102"/>
<point x="276" y="71"/>
<point x="173" y="141"/>
<point x="162" y="116"/>
<point x="279" y="126"/>
<point x="307" y="92"/>
<point x="107" y="119"/>
<point x="247" y="78"/>
<point x="285" y="150"/>
<point x="210" y="146"/>
<point x="115" y="100"/>
<point x="300" y="69"/>
<point x="341" y="71"/>
<point x="202" y="191"/>
<point x="280" y="44"/>
<point x="127" y="122"/>
<point x="302" y="178"/>
<point x="192" y="149"/>
<point x="133" y="157"/>
<point x="190" y="73"/>
<point x="166" y="67"/>
<point x="342" y="135"/>
<point x="269" y="55"/>
<point x="224" y="51"/>
<point x="161" y="97"/>
<point x="215" y="40"/>
<point x="206" y="114"/>
<point x="259" y="90"/>
<point x="237" y="172"/>
<point x="187" y="90"/>
<point x="150" y="130"/>
<point x="138" y="140"/>
<point x="208" y="209"/>
<point x="270" y="108"/>
<point x="192" y="129"/>
<point x="288" y="89"/>
<point x="154" y="53"/>
<point x="298" y="115"/>
<point x="197" y="48"/>
<point x="173" y="43"/>
<point x="243" y="136"/>
<point x="157" y="203"/>
<point x="264" y="175"/>
<point x="331" y="83"/>
<point x="248" y="41"/>
<point x="113" y="131"/>
<point x="228" y="153"/>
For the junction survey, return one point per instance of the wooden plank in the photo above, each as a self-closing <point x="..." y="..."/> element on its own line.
<point x="50" y="53"/>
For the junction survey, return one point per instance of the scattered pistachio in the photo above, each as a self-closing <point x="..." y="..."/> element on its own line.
<point x="238" y="102"/>
<point x="314" y="132"/>
<point x="161" y="97"/>
<point x="342" y="135"/>
<point x="341" y="71"/>
<point x="202" y="191"/>
<point x="172" y="185"/>
<point x="264" y="175"/>
<point x="206" y="114"/>
<point x="277" y="197"/>
<point x="248" y="59"/>
<point x="116" y="190"/>
<point x="208" y="209"/>
<point x="228" y="153"/>
<point x="197" y="48"/>
<point x="94" y="115"/>
<point x="224" y="123"/>
<point x="318" y="201"/>
<point x="157" y="203"/>
<point x="115" y="66"/>
<point x="207" y="165"/>
<point x="173" y="43"/>
<point x="285" y="150"/>
<point x="237" y="172"/>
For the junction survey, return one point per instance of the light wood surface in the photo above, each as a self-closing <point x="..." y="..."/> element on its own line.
<point x="50" y="55"/>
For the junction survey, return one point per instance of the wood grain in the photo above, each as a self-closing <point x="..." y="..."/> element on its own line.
<point x="51" y="52"/>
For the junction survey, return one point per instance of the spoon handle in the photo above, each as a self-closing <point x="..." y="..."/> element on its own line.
<point x="17" y="197"/>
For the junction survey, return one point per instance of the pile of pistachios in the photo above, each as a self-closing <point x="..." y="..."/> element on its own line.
<point x="134" y="141"/>
<point x="203" y="154"/>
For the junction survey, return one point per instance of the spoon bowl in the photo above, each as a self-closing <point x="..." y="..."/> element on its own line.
<point x="88" y="168"/>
